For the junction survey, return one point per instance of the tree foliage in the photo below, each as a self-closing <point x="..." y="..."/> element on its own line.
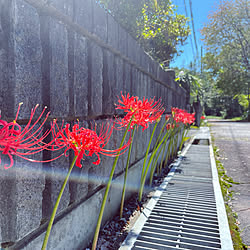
<point x="153" y="23"/>
<point x="226" y="37"/>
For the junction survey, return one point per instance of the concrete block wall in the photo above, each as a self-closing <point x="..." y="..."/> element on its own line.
<point x="47" y="62"/>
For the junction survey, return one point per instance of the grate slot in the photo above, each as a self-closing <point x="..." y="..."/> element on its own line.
<point x="156" y="242"/>
<point x="185" y="225"/>
<point x="192" y="198"/>
<point x="179" y="238"/>
<point x="187" y="208"/>
<point x="203" y="204"/>
<point x="184" y="220"/>
<point x="189" y="215"/>
<point x="179" y="231"/>
<point x="206" y="232"/>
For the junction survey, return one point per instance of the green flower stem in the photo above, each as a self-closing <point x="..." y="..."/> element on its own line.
<point x="175" y="131"/>
<point x="145" y="160"/>
<point x="168" y="155"/>
<point x="177" y="140"/>
<point x="46" y="238"/>
<point x="98" y="226"/>
<point x="152" y="170"/>
<point x="159" y="136"/>
<point x="149" y="162"/>
<point x="126" y="173"/>
<point x="182" y="138"/>
<point x="156" y="143"/>
<point x="162" y="157"/>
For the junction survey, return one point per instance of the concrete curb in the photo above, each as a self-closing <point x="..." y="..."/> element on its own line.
<point x="225" y="236"/>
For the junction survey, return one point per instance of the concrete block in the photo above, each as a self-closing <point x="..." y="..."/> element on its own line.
<point x="7" y="203"/>
<point x="171" y="74"/>
<point x="96" y="92"/>
<point x="170" y="98"/>
<point x="59" y="70"/>
<point x="28" y="55"/>
<point x="21" y="199"/>
<point x="59" y="170"/>
<point x="153" y="88"/>
<point x="108" y="84"/>
<point x="80" y="76"/>
<point x="112" y="32"/>
<point x="122" y="38"/>
<point x="100" y="27"/>
<point x="127" y="80"/>
<point x="83" y="14"/>
<point x="118" y="87"/>
<point x="144" y="83"/>
<point x="59" y="80"/>
<point x="150" y="93"/>
<point x="139" y="85"/>
<point x="7" y="67"/>
<point x="78" y="183"/>
<point x="30" y="183"/>
<point x="131" y="52"/>
<point x="134" y="82"/>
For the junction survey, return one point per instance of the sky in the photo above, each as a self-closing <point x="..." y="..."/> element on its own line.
<point x="200" y="9"/>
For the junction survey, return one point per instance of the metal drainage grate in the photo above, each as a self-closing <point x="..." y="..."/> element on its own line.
<point x="185" y="216"/>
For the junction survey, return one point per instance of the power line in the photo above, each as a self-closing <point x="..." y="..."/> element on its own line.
<point x="192" y="20"/>
<point x="191" y="39"/>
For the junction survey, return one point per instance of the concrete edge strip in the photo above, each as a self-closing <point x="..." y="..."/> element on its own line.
<point x="133" y="234"/>
<point x="225" y="236"/>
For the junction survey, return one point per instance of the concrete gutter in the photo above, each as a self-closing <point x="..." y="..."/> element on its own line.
<point x="224" y="232"/>
<point x="136" y="230"/>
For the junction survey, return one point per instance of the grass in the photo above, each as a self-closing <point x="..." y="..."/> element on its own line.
<point x="234" y="119"/>
<point x="214" y="117"/>
<point x="237" y="119"/>
<point x="226" y="183"/>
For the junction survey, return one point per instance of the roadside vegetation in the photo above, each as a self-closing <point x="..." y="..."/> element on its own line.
<point x="226" y="183"/>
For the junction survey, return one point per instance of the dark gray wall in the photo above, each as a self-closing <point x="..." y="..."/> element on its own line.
<point x="45" y="61"/>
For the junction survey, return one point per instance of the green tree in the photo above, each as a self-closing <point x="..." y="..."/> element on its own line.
<point x="153" y="23"/>
<point x="226" y="36"/>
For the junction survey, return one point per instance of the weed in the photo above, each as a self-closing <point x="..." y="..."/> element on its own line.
<point x="225" y="183"/>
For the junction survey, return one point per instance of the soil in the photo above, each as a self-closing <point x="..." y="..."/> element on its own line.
<point x="116" y="230"/>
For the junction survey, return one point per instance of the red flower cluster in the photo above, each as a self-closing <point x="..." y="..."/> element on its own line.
<point x="84" y="141"/>
<point x="29" y="140"/>
<point x="182" y="116"/>
<point x="14" y="138"/>
<point x="144" y="111"/>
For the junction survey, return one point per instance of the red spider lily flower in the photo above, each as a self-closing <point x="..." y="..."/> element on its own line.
<point x="144" y="111"/>
<point x="84" y="142"/>
<point x="168" y="126"/>
<point x="29" y="139"/>
<point x="182" y="116"/>
<point x="167" y="117"/>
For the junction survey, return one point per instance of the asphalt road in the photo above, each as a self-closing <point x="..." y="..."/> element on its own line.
<point x="233" y="141"/>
